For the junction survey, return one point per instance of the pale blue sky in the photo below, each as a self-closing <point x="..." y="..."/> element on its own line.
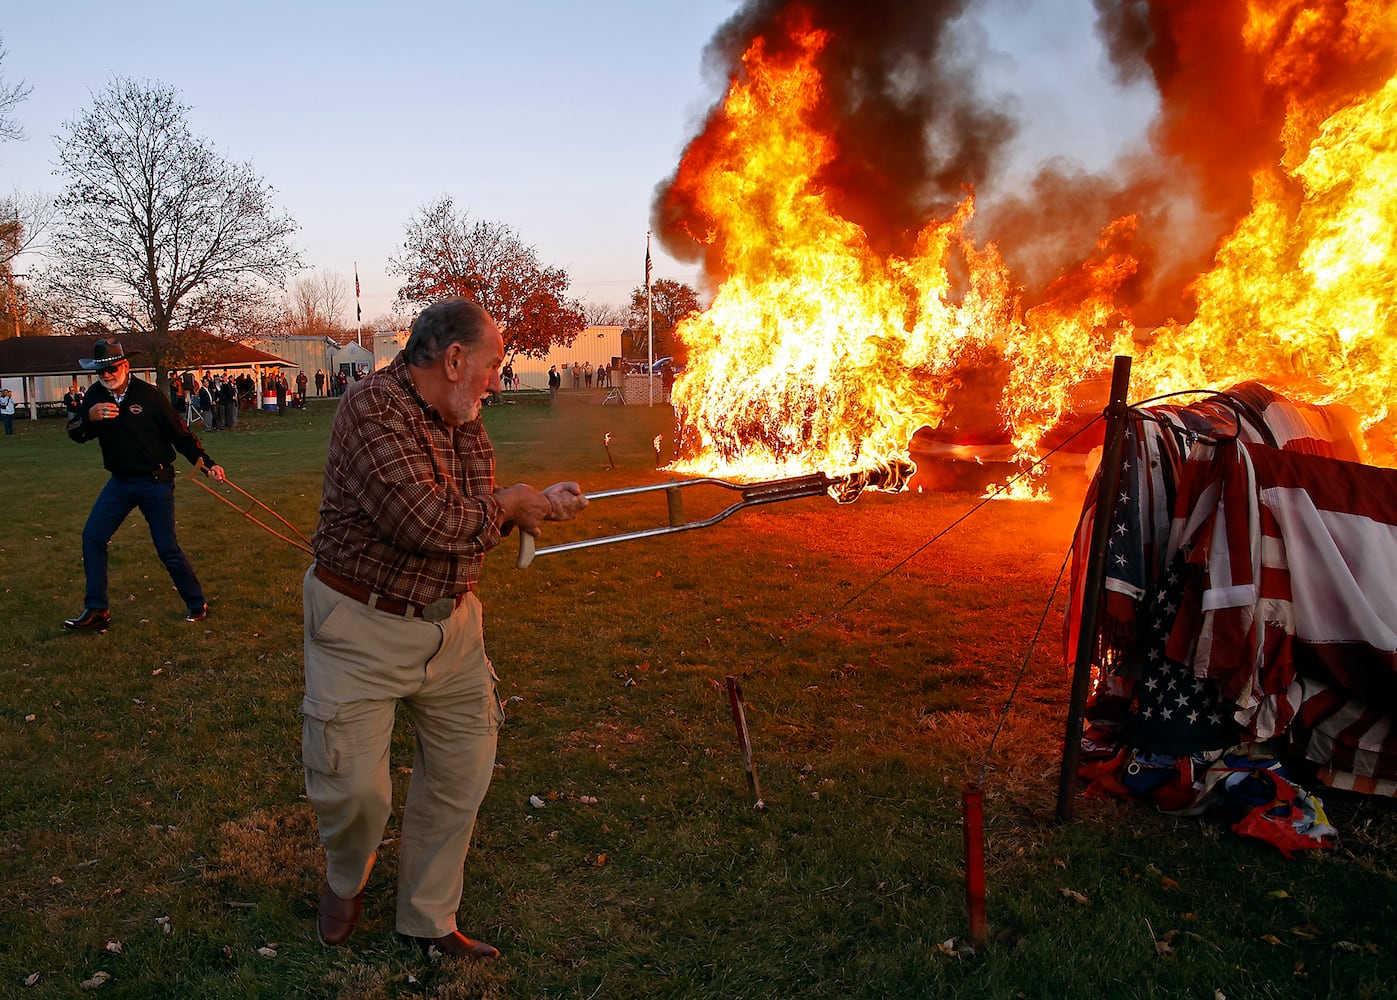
<point x="556" y="118"/>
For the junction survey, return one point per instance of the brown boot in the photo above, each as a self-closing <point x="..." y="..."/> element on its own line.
<point x="455" y="945"/>
<point x="338" y="917"/>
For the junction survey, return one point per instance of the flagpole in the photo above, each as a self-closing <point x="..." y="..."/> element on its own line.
<point x="650" y="315"/>
<point x="358" y="309"/>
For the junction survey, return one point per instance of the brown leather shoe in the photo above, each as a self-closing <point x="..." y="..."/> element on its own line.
<point x="338" y="917"/>
<point x="455" y="945"/>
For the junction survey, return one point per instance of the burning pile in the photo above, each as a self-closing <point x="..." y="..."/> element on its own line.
<point x="831" y="198"/>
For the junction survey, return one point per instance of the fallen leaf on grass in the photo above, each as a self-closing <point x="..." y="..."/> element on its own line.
<point x="98" y="978"/>
<point x="1074" y="895"/>
<point x="536" y="802"/>
<point x="1168" y="883"/>
<point x="1353" y="947"/>
<point x="1278" y="894"/>
<point x="956" y="948"/>
<point x="1270" y="939"/>
<point x="601" y="860"/>
<point x="114" y="947"/>
<point x="32" y="979"/>
<point x="164" y="923"/>
<point x="268" y="950"/>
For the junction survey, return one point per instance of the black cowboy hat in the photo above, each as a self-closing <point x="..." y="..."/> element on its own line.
<point x="105" y="354"/>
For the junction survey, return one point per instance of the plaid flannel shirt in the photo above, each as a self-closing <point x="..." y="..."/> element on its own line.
<point x="407" y="508"/>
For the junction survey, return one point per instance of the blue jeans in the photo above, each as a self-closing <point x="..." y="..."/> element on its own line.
<point x="156" y="501"/>
<point x="9" y="419"/>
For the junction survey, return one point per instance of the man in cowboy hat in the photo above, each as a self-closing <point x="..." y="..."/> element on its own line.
<point x="139" y="432"/>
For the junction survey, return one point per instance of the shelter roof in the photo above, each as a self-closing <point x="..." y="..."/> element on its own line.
<point x="58" y="355"/>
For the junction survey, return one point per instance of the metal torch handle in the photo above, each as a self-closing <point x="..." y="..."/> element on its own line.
<point x="753" y="494"/>
<point x="527" y="549"/>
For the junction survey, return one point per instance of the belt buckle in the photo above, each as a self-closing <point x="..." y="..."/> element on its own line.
<point x="439" y="610"/>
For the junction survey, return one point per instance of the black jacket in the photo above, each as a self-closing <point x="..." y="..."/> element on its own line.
<point x="143" y="438"/>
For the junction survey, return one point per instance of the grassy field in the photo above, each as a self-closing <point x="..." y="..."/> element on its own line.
<point x="152" y="824"/>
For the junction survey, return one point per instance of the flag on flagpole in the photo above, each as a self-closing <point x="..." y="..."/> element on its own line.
<point x="650" y="326"/>
<point x="358" y="309"/>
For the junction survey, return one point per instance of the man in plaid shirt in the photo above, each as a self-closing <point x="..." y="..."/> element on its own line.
<point x="409" y="509"/>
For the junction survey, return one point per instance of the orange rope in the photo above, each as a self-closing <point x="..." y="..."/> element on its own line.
<point x="300" y="541"/>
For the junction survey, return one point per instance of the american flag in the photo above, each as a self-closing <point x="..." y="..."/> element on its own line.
<point x="1177" y="712"/>
<point x="358" y="310"/>
<point x="1291" y="603"/>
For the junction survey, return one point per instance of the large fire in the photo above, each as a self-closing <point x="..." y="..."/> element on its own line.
<point x="820" y="353"/>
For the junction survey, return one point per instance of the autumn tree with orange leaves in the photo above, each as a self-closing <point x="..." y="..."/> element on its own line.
<point x="445" y="253"/>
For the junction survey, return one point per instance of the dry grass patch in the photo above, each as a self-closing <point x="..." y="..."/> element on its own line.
<point x="269" y="851"/>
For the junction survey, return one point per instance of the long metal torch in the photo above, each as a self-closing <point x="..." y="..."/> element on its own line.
<point x="844" y="489"/>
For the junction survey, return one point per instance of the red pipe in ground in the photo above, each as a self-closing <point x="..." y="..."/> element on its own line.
<point x="972" y="813"/>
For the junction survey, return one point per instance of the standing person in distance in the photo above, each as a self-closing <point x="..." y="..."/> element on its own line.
<point x="72" y="399"/>
<point x="139" y="432"/>
<point x="409" y="508"/>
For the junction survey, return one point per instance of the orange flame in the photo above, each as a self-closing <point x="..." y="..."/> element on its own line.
<point x="818" y="354"/>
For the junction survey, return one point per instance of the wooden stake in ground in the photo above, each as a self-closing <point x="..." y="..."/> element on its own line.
<point x="1094" y="578"/>
<point x="972" y="817"/>
<point x="744" y="744"/>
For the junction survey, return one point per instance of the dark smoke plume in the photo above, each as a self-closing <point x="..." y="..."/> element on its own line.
<point x="913" y="133"/>
<point x="893" y="79"/>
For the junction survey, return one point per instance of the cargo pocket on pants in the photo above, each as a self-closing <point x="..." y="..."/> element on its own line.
<point x="495" y="699"/>
<point x="318" y="750"/>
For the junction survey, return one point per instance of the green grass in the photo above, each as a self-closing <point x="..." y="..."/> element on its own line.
<point x="152" y="778"/>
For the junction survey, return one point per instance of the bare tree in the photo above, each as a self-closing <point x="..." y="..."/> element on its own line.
<point x="603" y="314"/>
<point x="24" y="218"/>
<point x="394" y="320"/>
<point x="315" y="302"/>
<point x="447" y="254"/>
<point x="11" y="94"/>
<point x="157" y="232"/>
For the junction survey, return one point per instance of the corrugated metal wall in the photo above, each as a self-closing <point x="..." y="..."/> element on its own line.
<point x="596" y="344"/>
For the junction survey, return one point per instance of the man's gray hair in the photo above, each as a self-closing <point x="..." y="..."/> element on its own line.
<point x="441" y="324"/>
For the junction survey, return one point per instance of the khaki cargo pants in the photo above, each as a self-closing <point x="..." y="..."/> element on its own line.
<point x="359" y="664"/>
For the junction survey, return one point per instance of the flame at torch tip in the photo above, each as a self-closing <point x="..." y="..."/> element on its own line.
<point x="886" y="477"/>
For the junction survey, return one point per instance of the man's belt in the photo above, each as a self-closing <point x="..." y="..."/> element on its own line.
<point x="438" y="610"/>
<point x="159" y="474"/>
